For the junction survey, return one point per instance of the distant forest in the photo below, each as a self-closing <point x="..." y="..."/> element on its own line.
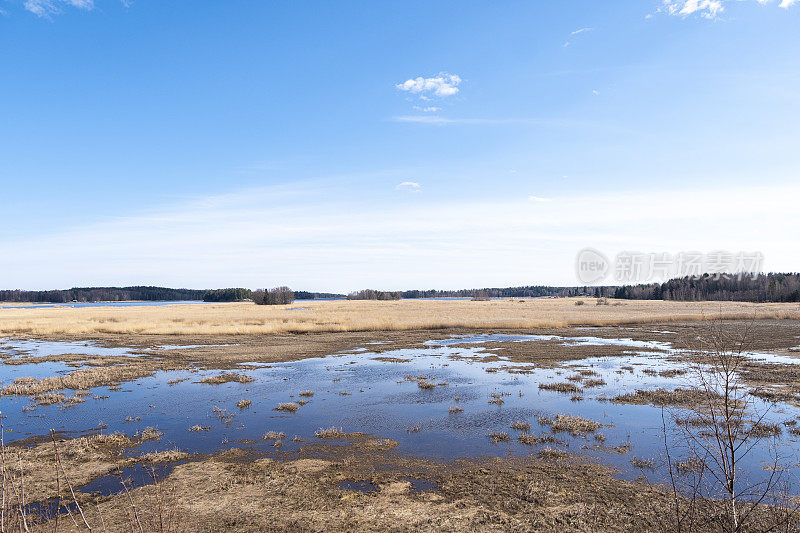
<point x="102" y="294"/>
<point x="762" y="288"/>
<point x="773" y="287"/>
<point x="120" y="294"/>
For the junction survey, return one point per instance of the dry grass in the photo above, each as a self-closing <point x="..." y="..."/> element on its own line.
<point x="241" y="404"/>
<point x="521" y="425"/>
<point x="307" y="393"/>
<point x="500" y="436"/>
<point x="227" y="377"/>
<point x="291" y="407"/>
<point x="331" y="316"/>
<point x="570" y="424"/>
<point x="531" y="440"/>
<point x="274" y="435"/>
<point x="682" y="397"/>
<point x="643" y="464"/>
<point x="422" y="384"/>
<point x="330" y="433"/>
<point x="589" y="383"/>
<point x="167" y="456"/>
<point x="80" y="380"/>
<point x="150" y="433"/>
<point x="564" y="387"/>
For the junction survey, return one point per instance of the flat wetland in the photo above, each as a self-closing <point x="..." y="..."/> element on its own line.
<point x="444" y="415"/>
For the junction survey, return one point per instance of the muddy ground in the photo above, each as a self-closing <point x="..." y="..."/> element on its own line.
<point x="362" y="483"/>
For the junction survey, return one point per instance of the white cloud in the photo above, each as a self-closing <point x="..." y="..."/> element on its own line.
<point x="328" y="240"/>
<point x="538" y="199"/>
<point x="410" y="186"/>
<point x="427" y="109"/>
<point x="443" y="84"/>
<point x="576" y="32"/>
<point x="709" y="9"/>
<point x="45" y="8"/>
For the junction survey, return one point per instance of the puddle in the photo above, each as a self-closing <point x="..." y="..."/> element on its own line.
<point x="662" y="346"/>
<point x="188" y="346"/>
<point x="421" y="485"/>
<point x="134" y="476"/>
<point x="772" y="358"/>
<point x="37" y="348"/>
<point x="566" y="341"/>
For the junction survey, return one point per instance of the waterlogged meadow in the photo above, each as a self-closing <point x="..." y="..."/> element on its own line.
<point x="449" y="397"/>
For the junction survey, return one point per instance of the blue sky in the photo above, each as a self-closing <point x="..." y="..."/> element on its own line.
<point x="337" y="145"/>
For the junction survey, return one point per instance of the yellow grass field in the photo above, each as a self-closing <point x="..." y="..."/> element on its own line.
<point x="331" y="316"/>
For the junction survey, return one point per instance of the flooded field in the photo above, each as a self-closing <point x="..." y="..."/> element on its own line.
<point x="446" y="397"/>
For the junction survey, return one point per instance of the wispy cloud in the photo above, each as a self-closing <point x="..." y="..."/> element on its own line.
<point x="436" y="119"/>
<point x="574" y="33"/>
<point x="409" y="186"/>
<point x="558" y="123"/>
<point x="427" y="109"/>
<point x="539" y="199"/>
<point x="46" y="8"/>
<point x="709" y="9"/>
<point x="441" y="85"/>
<point x="328" y="240"/>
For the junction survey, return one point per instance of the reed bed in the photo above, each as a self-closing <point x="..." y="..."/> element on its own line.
<point x="341" y="316"/>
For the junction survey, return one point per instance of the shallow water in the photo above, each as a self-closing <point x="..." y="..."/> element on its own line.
<point x="154" y="303"/>
<point x="37" y="348"/>
<point x="358" y="393"/>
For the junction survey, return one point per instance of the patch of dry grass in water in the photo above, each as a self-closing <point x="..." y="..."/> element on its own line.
<point x="248" y="318"/>
<point x="682" y="397"/>
<point x="564" y="387"/>
<point x="227" y="377"/>
<point x="335" y="433"/>
<point x="531" y="440"/>
<point x="81" y="379"/>
<point x="500" y="436"/>
<point x="575" y="425"/>
<point x="521" y="425"/>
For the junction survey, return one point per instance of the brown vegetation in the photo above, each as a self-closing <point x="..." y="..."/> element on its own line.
<point x="367" y="315"/>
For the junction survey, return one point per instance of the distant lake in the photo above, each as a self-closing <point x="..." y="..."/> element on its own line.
<point x="104" y="304"/>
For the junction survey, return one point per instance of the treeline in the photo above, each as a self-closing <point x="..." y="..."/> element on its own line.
<point x="101" y="294"/>
<point x="276" y="296"/>
<point x="306" y="295"/>
<point x="228" y="295"/>
<point x="772" y="287"/>
<point x="371" y="294"/>
<point x="530" y="291"/>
